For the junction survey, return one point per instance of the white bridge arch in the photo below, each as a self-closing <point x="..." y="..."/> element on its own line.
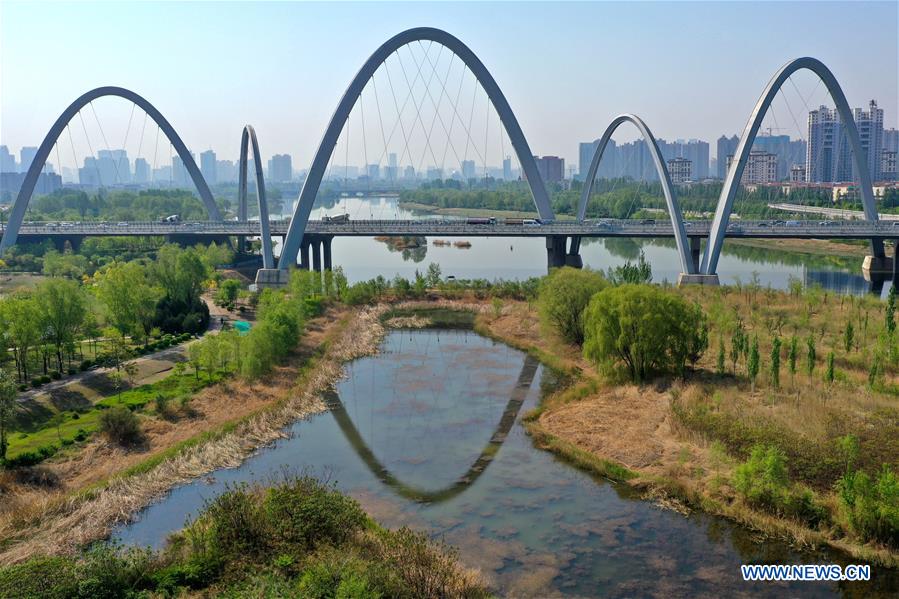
<point x="674" y="211"/>
<point x="37" y="165"/>
<point x="316" y="172"/>
<point x="735" y="173"/>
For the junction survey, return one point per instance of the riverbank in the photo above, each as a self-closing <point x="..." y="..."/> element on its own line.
<point x="79" y="499"/>
<point x="680" y="443"/>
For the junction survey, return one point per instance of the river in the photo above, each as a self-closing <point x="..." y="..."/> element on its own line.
<point x="492" y="258"/>
<point x="428" y="433"/>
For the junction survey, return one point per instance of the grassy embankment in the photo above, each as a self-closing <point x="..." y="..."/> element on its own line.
<point x="77" y="496"/>
<point x="298" y="537"/>
<point x="682" y="442"/>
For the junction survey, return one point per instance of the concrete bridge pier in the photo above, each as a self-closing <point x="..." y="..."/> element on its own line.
<point x="696" y="277"/>
<point x="326" y="251"/>
<point x="317" y="254"/>
<point x="573" y="257"/>
<point x="880" y="265"/>
<point x="555" y="251"/>
<point x="60" y="243"/>
<point x="305" y="246"/>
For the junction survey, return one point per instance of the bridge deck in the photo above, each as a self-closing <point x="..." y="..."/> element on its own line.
<point x="460" y="228"/>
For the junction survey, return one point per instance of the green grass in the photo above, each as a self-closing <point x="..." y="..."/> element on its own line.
<point x="172" y="387"/>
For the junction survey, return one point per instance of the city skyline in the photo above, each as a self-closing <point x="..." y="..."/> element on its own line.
<point x="205" y="119"/>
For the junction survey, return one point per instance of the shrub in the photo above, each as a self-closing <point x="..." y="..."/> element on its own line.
<point x="107" y="571"/>
<point x="303" y="512"/>
<point x="81" y="435"/>
<point x="763" y="482"/>
<point x="236" y="527"/>
<point x="36" y="382"/>
<point x="50" y="577"/>
<point x="71" y="371"/>
<point x="30" y="458"/>
<point x="341" y="574"/>
<point x="872" y="506"/>
<point x="563" y="296"/>
<point x="85" y="365"/>
<point x="54" y="374"/>
<point x="121" y="426"/>
<point x="23" y="387"/>
<point x="45" y="379"/>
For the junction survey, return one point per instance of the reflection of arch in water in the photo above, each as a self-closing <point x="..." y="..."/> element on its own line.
<point x="510" y="413"/>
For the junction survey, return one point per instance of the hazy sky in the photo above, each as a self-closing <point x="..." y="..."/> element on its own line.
<point x="690" y="69"/>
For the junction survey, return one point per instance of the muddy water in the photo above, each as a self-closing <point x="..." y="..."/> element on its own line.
<point x="428" y="433"/>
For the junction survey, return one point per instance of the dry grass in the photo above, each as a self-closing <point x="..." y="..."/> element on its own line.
<point x="686" y="464"/>
<point x="51" y="523"/>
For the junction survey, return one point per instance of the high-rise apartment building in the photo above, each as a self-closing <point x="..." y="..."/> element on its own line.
<point x="680" y="170"/>
<point x="208" y="167"/>
<point x="727" y="146"/>
<point x="551" y="168"/>
<point x="26" y="156"/>
<point x="468" y="170"/>
<point x="507" y="168"/>
<point x="760" y="169"/>
<point x="829" y="157"/>
<point x="280" y="168"/>
<point x="7" y="161"/>
<point x="141" y="171"/>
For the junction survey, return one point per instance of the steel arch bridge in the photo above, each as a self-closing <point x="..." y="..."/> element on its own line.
<point x="316" y="172"/>
<point x="674" y="211"/>
<point x="704" y="272"/>
<point x="10" y="234"/>
<point x="248" y="138"/>
<point x="735" y="173"/>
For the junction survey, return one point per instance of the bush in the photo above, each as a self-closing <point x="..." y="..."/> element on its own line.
<point x="563" y="295"/>
<point x="121" y="426"/>
<point x="646" y="329"/>
<point x="36" y="382"/>
<point x="31" y="458"/>
<point x="45" y="379"/>
<point x="23" y="387"/>
<point x="71" y="371"/>
<point x="235" y="524"/>
<point x="85" y="365"/>
<point x="54" y="374"/>
<point x="763" y="482"/>
<point x="305" y="513"/>
<point x="872" y="506"/>
<point x="50" y="577"/>
<point x="81" y="435"/>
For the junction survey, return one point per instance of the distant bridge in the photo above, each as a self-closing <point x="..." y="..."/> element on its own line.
<point x="563" y="236"/>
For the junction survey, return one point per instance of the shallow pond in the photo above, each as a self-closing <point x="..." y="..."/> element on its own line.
<point x="427" y="433"/>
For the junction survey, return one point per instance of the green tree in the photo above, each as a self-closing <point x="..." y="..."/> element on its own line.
<point x="736" y="346"/>
<point x="641" y="272"/>
<point x="645" y="328"/>
<point x="792" y="356"/>
<point x="434" y="275"/>
<point x="720" y="365"/>
<point x="7" y="404"/>
<point x="562" y="297"/>
<point x="848" y="336"/>
<point x="775" y="362"/>
<point x="62" y="307"/>
<point x="810" y="356"/>
<point x="227" y="292"/>
<point x="21" y="328"/>
<point x="129" y="298"/>
<point x="891" y="310"/>
<point x="830" y="373"/>
<point x="753" y="363"/>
